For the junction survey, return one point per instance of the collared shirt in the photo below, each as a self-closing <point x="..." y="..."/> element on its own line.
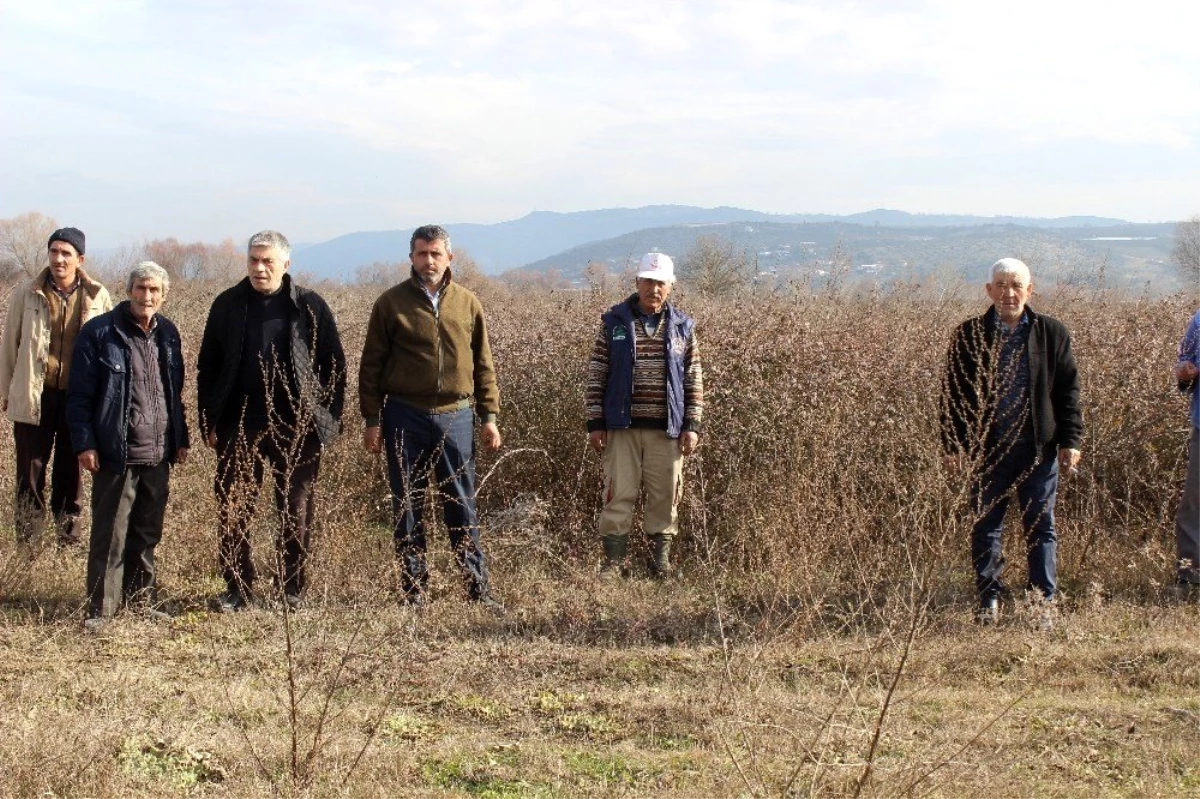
<point x="435" y="297"/>
<point x="64" y="293"/>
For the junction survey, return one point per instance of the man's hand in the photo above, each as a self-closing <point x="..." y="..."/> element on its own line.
<point x="598" y="440"/>
<point x="490" y="434"/>
<point x="373" y="440"/>
<point x="211" y="439"/>
<point x="688" y="441"/>
<point x="1068" y="461"/>
<point x="1185" y="371"/>
<point x="90" y="459"/>
<point x="181" y="456"/>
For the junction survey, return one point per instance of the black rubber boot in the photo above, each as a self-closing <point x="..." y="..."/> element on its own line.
<point x="660" y="556"/>
<point x="616" y="548"/>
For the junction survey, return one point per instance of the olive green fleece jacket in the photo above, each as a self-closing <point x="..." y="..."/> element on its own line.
<point x="435" y="360"/>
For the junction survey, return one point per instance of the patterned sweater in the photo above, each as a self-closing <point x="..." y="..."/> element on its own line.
<point x="649" y="409"/>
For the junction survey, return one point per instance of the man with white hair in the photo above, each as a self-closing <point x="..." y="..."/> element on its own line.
<point x="645" y="400"/>
<point x="1010" y="415"/>
<point x="125" y="411"/>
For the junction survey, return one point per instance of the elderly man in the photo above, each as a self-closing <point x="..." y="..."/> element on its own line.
<point x="271" y="380"/>
<point x="425" y="358"/>
<point x="645" y="399"/>
<point x="1010" y="413"/>
<point x="44" y="317"/>
<point x="125" y="409"/>
<point x="1187" y="519"/>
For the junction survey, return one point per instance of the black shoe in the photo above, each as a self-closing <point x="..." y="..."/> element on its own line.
<point x="232" y="601"/>
<point x="94" y="624"/>
<point x="416" y="600"/>
<point x="158" y="613"/>
<point x="486" y="600"/>
<point x="989" y="610"/>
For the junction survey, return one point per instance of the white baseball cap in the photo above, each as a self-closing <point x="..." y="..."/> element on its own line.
<point x="657" y="266"/>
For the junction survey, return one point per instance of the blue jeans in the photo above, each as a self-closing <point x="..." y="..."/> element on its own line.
<point x="1036" y="485"/>
<point x="417" y="441"/>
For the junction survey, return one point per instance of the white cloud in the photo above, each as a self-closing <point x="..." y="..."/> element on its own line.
<point x="498" y="107"/>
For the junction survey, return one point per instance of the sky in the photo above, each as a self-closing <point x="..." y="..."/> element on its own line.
<point x="216" y="118"/>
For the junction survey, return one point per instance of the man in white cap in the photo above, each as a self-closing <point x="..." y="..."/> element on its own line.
<point x="1010" y="414"/>
<point x="645" y="399"/>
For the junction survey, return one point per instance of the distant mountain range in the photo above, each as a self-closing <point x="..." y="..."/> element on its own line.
<point x="1126" y="255"/>
<point x="538" y="237"/>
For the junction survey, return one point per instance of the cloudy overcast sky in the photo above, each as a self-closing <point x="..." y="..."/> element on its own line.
<point x="216" y="118"/>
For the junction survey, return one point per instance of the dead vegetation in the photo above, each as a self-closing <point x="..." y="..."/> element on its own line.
<point x="819" y="643"/>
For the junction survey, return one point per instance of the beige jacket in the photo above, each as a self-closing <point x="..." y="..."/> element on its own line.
<point x="25" y="344"/>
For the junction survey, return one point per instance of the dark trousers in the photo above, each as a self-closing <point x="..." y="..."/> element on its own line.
<point x="1035" y="483"/>
<point x="127" y="524"/>
<point x="416" y="442"/>
<point x="1187" y="519"/>
<point x="34" y="443"/>
<point x="243" y="461"/>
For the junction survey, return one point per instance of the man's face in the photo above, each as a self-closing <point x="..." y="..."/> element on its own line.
<point x="430" y="260"/>
<point x="64" y="262"/>
<point x="652" y="294"/>
<point x="1009" y="292"/>
<point x="266" y="266"/>
<point x="145" y="298"/>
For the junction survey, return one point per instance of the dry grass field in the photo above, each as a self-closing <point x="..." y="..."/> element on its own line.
<point x="819" y="642"/>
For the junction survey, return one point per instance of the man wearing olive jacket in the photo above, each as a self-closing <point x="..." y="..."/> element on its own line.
<point x="425" y="358"/>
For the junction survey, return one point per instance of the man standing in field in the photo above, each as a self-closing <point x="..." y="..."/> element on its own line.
<point x="1010" y="415"/>
<point x="1187" y="519"/>
<point x="125" y="409"/>
<point x="425" y="358"/>
<point x="271" y="380"/>
<point x="645" y="399"/>
<point x="44" y="317"/>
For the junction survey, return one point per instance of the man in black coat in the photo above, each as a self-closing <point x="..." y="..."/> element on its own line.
<point x="125" y="412"/>
<point x="1010" y="414"/>
<point x="271" y="381"/>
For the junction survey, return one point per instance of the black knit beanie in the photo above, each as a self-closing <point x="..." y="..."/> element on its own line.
<point x="71" y="235"/>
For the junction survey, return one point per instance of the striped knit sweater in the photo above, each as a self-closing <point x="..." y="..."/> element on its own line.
<point x="649" y="408"/>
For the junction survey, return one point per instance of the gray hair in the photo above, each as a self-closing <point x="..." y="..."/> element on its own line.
<point x="148" y="270"/>
<point x="430" y="233"/>
<point x="1009" y="266"/>
<point x="271" y="238"/>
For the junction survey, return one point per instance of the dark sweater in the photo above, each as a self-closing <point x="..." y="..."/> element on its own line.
<point x="971" y="381"/>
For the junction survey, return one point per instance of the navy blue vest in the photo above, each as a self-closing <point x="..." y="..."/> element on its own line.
<point x="618" y="394"/>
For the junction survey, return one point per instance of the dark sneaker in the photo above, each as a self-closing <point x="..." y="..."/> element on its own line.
<point x="232" y="601"/>
<point x="989" y="611"/>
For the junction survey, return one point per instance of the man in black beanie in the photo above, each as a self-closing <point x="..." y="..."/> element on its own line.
<point x="44" y="317"/>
